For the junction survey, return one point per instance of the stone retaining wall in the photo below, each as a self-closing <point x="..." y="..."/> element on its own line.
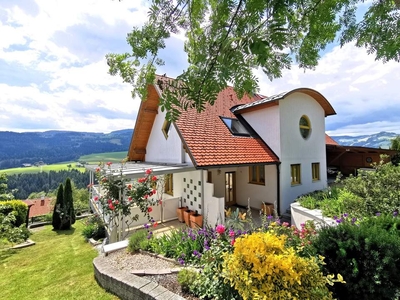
<point x="128" y="286"/>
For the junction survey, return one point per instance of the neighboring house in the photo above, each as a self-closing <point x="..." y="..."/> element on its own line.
<point x="238" y="151"/>
<point x="39" y="207"/>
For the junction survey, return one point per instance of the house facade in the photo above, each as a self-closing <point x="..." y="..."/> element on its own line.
<point x="238" y="151"/>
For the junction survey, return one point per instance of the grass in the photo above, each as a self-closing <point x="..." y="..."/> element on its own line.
<point x="91" y="159"/>
<point x="59" y="266"/>
<point x="106" y="156"/>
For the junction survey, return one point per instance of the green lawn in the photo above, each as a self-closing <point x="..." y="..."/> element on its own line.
<point x="105" y="157"/>
<point x="59" y="266"/>
<point x="91" y="159"/>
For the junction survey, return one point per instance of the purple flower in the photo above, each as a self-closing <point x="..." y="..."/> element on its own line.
<point x="335" y="217"/>
<point x="181" y="261"/>
<point x="345" y="215"/>
<point x="339" y="221"/>
<point x="395" y="213"/>
<point x="147" y="226"/>
<point x="231" y="233"/>
<point x="353" y="220"/>
<point x="270" y="217"/>
<point x="378" y="214"/>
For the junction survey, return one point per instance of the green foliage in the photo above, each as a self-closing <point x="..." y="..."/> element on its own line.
<point x="93" y="228"/>
<point x="135" y="240"/>
<point x="69" y="202"/>
<point x="186" y="278"/>
<point x="227" y="40"/>
<point x="367" y="255"/>
<point x="379" y="189"/>
<point x="56" y="222"/>
<point x="395" y="143"/>
<point x="4" y="193"/>
<point x="8" y="230"/>
<point x="211" y="282"/>
<point x="18" y="208"/>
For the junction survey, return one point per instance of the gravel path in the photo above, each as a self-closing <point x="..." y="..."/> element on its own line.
<point x="126" y="262"/>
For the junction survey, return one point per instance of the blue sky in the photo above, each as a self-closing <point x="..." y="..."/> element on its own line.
<point x="53" y="73"/>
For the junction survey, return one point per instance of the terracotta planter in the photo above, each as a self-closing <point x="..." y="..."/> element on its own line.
<point x="179" y="213"/>
<point x="267" y="209"/>
<point x="196" y="221"/>
<point x="186" y="216"/>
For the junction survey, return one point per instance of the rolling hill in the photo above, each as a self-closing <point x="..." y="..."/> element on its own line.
<point x="57" y="146"/>
<point x="376" y="140"/>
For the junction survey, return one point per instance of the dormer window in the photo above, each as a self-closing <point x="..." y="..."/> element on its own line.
<point x="166" y="127"/>
<point x="234" y="126"/>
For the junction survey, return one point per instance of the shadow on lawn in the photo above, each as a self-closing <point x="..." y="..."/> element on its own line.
<point x="66" y="232"/>
<point x="6" y="253"/>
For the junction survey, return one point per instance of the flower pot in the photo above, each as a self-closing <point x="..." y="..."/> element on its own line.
<point x="196" y="221"/>
<point x="186" y="216"/>
<point x="179" y="213"/>
<point x="267" y="209"/>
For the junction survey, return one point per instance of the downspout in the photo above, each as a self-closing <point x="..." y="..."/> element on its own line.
<point x="278" y="189"/>
<point x="202" y="194"/>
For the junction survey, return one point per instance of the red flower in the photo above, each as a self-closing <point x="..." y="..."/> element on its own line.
<point x="111" y="206"/>
<point x="160" y="202"/>
<point x="109" y="201"/>
<point x="141" y="180"/>
<point x="97" y="169"/>
<point x="96" y="198"/>
<point x="154" y="191"/>
<point x="148" y="171"/>
<point x="233" y="242"/>
<point x="220" y="229"/>
<point x="149" y="209"/>
<point x="116" y="202"/>
<point x="109" y="163"/>
<point x="129" y="186"/>
<point x="129" y="198"/>
<point x="154" y="178"/>
<point x="155" y="224"/>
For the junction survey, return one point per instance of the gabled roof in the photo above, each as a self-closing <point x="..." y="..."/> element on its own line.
<point x="329" y="140"/>
<point x="273" y="100"/>
<point x="210" y="142"/>
<point x="39" y="207"/>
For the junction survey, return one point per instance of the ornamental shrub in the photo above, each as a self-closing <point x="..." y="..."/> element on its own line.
<point x="56" y="221"/>
<point x="94" y="228"/>
<point x="366" y="254"/>
<point x="262" y="267"/>
<point x="135" y="240"/>
<point x="19" y="209"/>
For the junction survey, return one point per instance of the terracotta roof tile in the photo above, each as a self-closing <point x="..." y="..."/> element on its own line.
<point x="329" y="140"/>
<point x="39" y="207"/>
<point x="210" y="141"/>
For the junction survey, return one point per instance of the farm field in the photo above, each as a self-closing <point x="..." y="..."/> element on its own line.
<point x="90" y="159"/>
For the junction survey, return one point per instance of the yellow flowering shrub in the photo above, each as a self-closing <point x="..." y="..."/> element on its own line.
<point x="261" y="267"/>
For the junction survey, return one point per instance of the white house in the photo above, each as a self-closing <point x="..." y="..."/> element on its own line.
<point x="266" y="149"/>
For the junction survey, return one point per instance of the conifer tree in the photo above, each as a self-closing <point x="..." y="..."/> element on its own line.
<point x="69" y="200"/>
<point x="56" y="212"/>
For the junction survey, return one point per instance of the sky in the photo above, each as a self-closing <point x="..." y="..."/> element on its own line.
<point x="54" y="76"/>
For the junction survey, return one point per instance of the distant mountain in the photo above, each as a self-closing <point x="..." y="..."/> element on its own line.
<point x="381" y="139"/>
<point x="57" y="146"/>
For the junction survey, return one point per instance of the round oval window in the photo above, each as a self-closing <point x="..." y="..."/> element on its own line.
<point x="305" y="127"/>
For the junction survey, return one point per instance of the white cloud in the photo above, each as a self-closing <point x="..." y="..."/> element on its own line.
<point x="59" y="75"/>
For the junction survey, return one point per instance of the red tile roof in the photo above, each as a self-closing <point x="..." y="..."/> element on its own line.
<point x="329" y="140"/>
<point x="211" y="143"/>
<point x="39" y="207"/>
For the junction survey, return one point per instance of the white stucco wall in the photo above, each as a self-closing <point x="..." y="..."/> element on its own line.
<point x="160" y="149"/>
<point x="244" y="189"/>
<point x="296" y="150"/>
<point x="266" y="122"/>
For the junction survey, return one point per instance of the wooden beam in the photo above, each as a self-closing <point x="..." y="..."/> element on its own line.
<point x="151" y="111"/>
<point x="139" y="150"/>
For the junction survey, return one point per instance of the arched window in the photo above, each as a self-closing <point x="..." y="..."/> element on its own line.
<point x="305" y="127"/>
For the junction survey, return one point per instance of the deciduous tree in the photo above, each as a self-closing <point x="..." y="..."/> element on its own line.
<point x="227" y="39"/>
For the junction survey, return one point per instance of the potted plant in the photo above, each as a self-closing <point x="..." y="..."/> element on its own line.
<point x="186" y="216"/>
<point x="179" y="213"/>
<point x="196" y="220"/>
<point x="267" y="208"/>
